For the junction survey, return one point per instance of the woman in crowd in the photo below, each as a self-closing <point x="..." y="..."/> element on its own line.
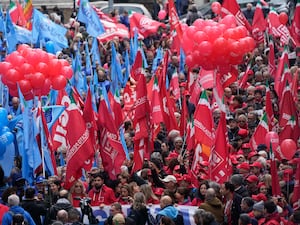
<point x="77" y="192"/>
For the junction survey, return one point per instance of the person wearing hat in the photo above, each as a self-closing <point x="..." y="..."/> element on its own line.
<point x="170" y="183"/>
<point x="258" y="212"/>
<point x="255" y="168"/>
<point x="244" y="169"/>
<point x="252" y="182"/>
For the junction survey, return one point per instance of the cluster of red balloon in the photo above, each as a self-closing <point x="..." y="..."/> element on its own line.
<point x="216" y="45"/>
<point x="283" y="18"/>
<point x="286" y="149"/>
<point x="35" y="71"/>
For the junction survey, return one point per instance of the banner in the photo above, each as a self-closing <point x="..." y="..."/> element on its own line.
<point x="186" y="211"/>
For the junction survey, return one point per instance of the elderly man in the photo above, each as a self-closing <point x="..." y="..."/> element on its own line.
<point x="14" y="208"/>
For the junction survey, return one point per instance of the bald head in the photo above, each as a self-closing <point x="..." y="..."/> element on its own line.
<point x="62" y="215"/>
<point x="165" y="201"/>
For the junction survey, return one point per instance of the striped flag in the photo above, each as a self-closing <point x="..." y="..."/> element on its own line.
<point x="28" y="11"/>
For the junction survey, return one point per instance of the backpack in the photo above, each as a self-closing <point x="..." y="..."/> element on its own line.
<point x="12" y="216"/>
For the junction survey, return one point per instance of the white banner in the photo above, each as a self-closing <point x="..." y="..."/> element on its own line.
<point x="186" y="211"/>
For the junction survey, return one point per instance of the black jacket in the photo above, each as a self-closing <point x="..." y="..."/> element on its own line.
<point x="139" y="216"/>
<point x="35" y="209"/>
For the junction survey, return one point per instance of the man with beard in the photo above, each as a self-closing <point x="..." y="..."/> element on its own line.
<point x="100" y="194"/>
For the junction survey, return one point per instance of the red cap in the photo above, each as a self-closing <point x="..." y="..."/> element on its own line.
<point x="244" y="165"/>
<point x="256" y="164"/>
<point x="246" y="145"/>
<point x="186" y="92"/>
<point x="261" y="184"/>
<point x="240" y="152"/>
<point x="182" y="84"/>
<point x="186" y="178"/>
<point x="251" y="154"/>
<point x="259" y="197"/>
<point x="172" y="155"/>
<point x="233" y="160"/>
<point x="158" y="191"/>
<point x="252" y="179"/>
<point x="243" y="132"/>
<point x="203" y="177"/>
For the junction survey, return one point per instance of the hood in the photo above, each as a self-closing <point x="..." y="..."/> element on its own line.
<point x="169" y="211"/>
<point x="215" y="202"/>
<point x="65" y="206"/>
<point x="17" y="210"/>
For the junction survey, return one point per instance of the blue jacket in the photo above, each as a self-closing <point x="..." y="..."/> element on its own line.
<point x="169" y="211"/>
<point x="7" y="218"/>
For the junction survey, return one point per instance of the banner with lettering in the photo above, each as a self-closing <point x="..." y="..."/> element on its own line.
<point x="186" y="211"/>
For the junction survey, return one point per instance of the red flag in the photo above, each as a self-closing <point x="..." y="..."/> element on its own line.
<point x="141" y="104"/>
<point x="295" y="26"/>
<point x="140" y="146"/>
<point x="90" y="118"/>
<point x="156" y="112"/>
<point x="102" y="15"/>
<point x="144" y="25"/>
<point x="276" y="28"/>
<point x="296" y="192"/>
<point x="284" y="60"/>
<point x="184" y="117"/>
<point x="228" y="78"/>
<point x="117" y="112"/>
<point x="129" y="98"/>
<point x="259" y="24"/>
<point x="190" y="136"/>
<point x="137" y="67"/>
<point x="113" y="30"/>
<point x="260" y="133"/>
<point x="232" y="7"/>
<point x="271" y="58"/>
<point x="175" y="26"/>
<point x="72" y="133"/>
<point x="288" y="117"/>
<point x="243" y="82"/>
<point x="219" y="154"/>
<point x="112" y="152"/>
<point x="286" y="77"/>
<point x="203" y="121"/>
<point x="174" y="86"/>
<point x="276" y="192"/>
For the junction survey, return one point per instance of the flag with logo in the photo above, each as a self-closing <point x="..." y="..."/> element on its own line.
<point x="259" y="24"/>
<point x="43" y="27"/>
<point x="175" y="26"/>
<point x="219" y="158"/>
<point x="144" y="25"/>
<point x="295" y="26"/>
<point x="71" y="132"/>
<point x="260" y="133"/>
<point x="231" y="7"/>
<point x="10" y="34"/>
<point x="89" y="17"/>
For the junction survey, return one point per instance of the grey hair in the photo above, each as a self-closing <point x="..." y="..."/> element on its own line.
<point x="139" y="201"/>
<point x="13" y="200"/>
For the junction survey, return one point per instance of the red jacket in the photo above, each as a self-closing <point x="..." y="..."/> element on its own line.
<point x="104" y="196"/>
<point x="3" y="210"/>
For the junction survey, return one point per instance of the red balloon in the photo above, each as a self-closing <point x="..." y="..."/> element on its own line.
<point x="189" y="61"/>
<point x="67" y="72"/>
<point x="196" y="55"/>
<point x="199" y="23"/>
<point x="13" y="75"/>
<point x="37" y="80"/>
<point x="190" y="31"/>
<point x="13" y="92"/>
<point x="28" y="96"/>
<point x="64" y="62"/>
<point x="26" y="68"/>
<point x="4" y="67"/>
<point x="283" y="18"/>
<point x="54" y="67"/>
<point x="46" y="88"/>
<point x="43" y="56"/>
<point x="42" y="68"/>
<point x="205" y="48"/>
<point x="25" y="86"/>
<point x="213" y="32"/>
<point x="18" y="61"/>
<point x="288" y="148"/>
<point x="216" y="7"/>
<point x="11" y="56"/>
<point x="33" y="58"/>
<point x="229" y="21"/>
<point x="22" y="48"/>
<point x="200" y="36"/>
<point x="235" y="49"/>
<point x="59" y="82"/>
<point x="162" y="14"/>
<point x="242" y="30"/>
<point x="220" y="47"/>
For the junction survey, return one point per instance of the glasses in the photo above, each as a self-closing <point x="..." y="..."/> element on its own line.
<point x="78" y="186"/>
<point x="242" y="121"/>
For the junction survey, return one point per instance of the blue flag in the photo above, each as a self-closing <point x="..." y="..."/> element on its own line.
<point x="52" y="114"/>
<point x="116" y="71"/>
<point x="145" y="63"/>
<point x="95" y="53"/>
<point x="127" y="69"/>
<point x="1" y="21"/>
<point x="10" y="34"/>
<point x="23" y="35"/>
<point x="28" y="147"/>
<point x="43" y="27"/>
<point x="77" y="80"/>
<point x="157" y="59"/>
<point x="89" y="17"/>
<point x="181" y="61"/>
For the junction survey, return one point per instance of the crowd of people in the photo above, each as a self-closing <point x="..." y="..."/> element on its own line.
<point x="165" y="179"/>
